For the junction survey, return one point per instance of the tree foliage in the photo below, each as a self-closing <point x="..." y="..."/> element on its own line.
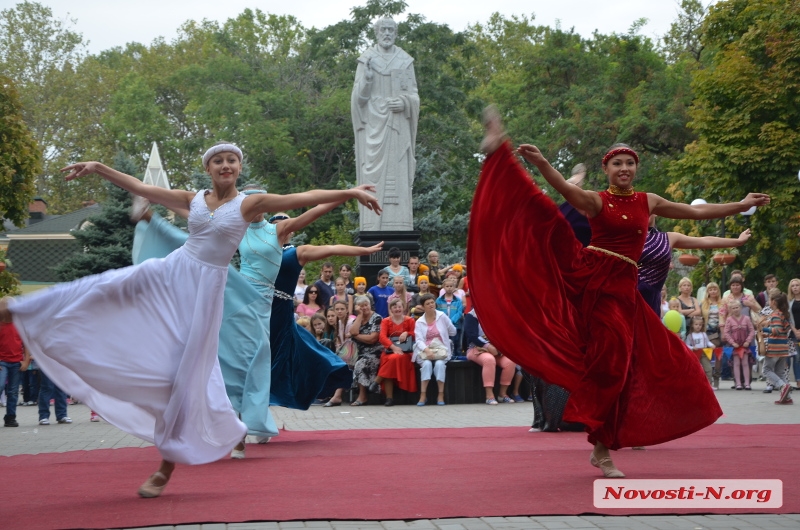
<point x="20" y="157"/>
<point x="746" y="114"/>
<point x="40" y="54"/>
<point x="9" y="282"/>
<point x="107" y="237"/>
<point x="716" y="98"/>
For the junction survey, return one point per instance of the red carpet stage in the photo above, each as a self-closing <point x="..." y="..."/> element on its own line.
<point x="375" y="475"/>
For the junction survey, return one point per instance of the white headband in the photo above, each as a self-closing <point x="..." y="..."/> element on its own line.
<point x="213" y="150"/>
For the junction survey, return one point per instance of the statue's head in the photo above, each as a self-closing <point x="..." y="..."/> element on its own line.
<point x="385" y="32"/>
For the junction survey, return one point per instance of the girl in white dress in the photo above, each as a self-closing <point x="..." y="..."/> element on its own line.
<point x="139" y="345"/>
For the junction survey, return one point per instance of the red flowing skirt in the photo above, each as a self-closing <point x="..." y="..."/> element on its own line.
<point x="574" y="317"/>
<point x="398" y="366"/>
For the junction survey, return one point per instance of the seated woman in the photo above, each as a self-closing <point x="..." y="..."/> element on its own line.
<point x="482" y="352"/>
<point x="432" y="347"/>
<point x="310" y="303"/>
<point x="364" y="332"/>
<point x="396" y="360"/>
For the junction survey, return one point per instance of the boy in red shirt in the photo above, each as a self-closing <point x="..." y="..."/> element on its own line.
<point x="12" y="355"/>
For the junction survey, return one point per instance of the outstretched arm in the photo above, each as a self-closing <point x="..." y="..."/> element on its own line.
<point x="172" y="199"/>
<point x="678" y="240"/>
<point x="268" y="202"/>
<point x="307" y="253"/>
<point x="308" y="217"/>
<point x="674" y="210"/>
<point x="584" y="200"/>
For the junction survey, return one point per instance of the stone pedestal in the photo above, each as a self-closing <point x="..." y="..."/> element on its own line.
<point x="368" y="266"/>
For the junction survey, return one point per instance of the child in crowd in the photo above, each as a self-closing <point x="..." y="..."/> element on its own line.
<point x="424" y="288"/>
<point x="738" y="333"/>
<point x="697" y="340"/>
<point x="777" y="330"/>
<point x="675" y="305"/>
<point x="340" y="294"/>
<point x="400" y="293"/>
<point x="330" y="329"/>
<point x="341" y="332"/>
<point x="305" y="322"/>
<point x="381" y="293"/>
<point x="454" y="272"/>
<point x="319" y="324"/>
<point x="360" y="284"/>
<point x="451" y="305"/>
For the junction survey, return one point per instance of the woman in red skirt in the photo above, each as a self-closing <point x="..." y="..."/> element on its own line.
<point x="584" y="317"/>
<point x="396" y="362"/>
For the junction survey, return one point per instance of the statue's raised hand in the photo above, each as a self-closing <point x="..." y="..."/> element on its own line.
<point x="368" y="73"/>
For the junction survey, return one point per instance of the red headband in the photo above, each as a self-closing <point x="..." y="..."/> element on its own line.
<point x="620" y="151"/>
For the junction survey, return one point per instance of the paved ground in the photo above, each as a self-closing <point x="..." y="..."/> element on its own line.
<point x="739" y="407"/>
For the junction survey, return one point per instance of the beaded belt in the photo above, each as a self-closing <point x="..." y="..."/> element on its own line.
<point x="275" y="292"/>
<point x="619" y="256"/>
<point x="282" y="295"/>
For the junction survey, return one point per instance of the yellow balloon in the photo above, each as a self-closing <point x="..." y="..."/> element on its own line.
<point x="673" y="319"/>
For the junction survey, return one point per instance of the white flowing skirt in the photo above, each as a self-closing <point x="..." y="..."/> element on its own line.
<point x="139" y="346"/>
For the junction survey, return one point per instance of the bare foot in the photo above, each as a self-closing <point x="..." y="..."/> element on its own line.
<point x="494" y="135"/>
<point x="140" y="209"/>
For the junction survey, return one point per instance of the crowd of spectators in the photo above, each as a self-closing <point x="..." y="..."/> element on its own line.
<point x="741" y="336"/>
<point x="412" y="314"/>
<point x="420" y="314"/>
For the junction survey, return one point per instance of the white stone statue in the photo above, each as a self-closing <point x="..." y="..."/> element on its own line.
<point x="384" y="107"/>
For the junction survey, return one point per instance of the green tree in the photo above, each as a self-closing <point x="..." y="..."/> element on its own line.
<point x="9" y="282"/>
<point x="335" y="235"/>
<point x="40" y="53"/>
<point x="684" y="37"/>
<point x="20" y="157"/>
<point x="574" y="97"/>
<point x="108" y="237"/>
<point x="747" y="121"/>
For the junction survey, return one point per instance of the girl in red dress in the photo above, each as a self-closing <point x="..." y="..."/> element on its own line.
<point x="585" y="316"/>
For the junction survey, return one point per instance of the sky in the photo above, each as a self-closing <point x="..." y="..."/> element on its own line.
<point x="109" y="23"/>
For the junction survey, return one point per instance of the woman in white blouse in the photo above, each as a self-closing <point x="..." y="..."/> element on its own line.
<point x="432" y="335"/>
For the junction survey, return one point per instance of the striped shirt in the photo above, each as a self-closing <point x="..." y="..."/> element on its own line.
<point x="777" y="330"/>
